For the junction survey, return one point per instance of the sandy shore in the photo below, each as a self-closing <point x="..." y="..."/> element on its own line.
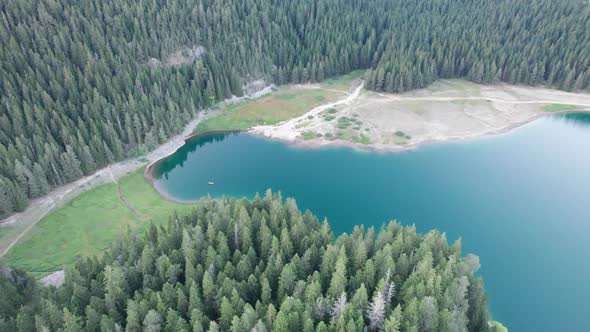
<point x="465" y="110"/>
<point x="449" y="110"/>
<point x="373" y="147"/>
<point x="288" y="130"/>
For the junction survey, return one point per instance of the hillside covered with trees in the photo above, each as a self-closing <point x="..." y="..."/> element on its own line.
<point x="257" y="266"/>
<point x="86" y="83"/>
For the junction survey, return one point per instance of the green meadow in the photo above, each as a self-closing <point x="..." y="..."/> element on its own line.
<point x="87" y="224"/>
<point x="285" y="103"/>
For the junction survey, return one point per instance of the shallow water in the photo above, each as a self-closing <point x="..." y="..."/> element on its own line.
<point x="520" y="200"/>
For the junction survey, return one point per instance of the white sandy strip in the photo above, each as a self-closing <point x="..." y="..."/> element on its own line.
<point x="287" y="130"/>
<point x="523" y="102"/>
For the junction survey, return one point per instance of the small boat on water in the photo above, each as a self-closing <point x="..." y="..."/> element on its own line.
<point x="210" y="183"/>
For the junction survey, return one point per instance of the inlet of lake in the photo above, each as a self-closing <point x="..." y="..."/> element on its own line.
<point x="519" y="200"/>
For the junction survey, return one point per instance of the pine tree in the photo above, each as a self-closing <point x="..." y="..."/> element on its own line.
<point x="142" y="283"/>
<point x="392" y="324"/>
<point x="338" y="282"/>
<point x="133" y="323"/>
<point x="152" y="322"/>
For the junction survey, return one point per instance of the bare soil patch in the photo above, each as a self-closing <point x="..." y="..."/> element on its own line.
<point x="447" y="110"/>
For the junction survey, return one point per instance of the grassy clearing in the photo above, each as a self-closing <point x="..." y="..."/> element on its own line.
<point x="87" y="224"/>
<point x="364" y="140"/>
<point x="147" y="201"/>
<point x="308" y="135"/>
<point x="302" y="125"/>
<point x="343" y="82"/>
<point x="285" y="103"/>
<point x="558" y="107"/>
<point x="457" y="87"/>
<point x="360" y="139"/>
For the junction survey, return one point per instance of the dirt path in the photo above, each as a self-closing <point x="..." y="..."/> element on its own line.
<point x="19" y="224"/>
<point x="15" y="227"/>
<point x="516" y="102"/>
<point x="126" y="202"/>
<point x="287" y="130"/>
<point x="447" y="110"/>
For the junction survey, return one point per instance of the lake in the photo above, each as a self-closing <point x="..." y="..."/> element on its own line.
<point x="519" y="200"/>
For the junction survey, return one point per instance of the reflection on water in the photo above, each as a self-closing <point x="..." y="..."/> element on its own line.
<point x="163" y="167"/>
<point x="577" y="119"/>
<point x="520" y="201"/>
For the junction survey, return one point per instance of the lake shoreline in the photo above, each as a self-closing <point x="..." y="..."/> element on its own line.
<point x="20" y="223"/>
<point x="476" y="188"/>
<point x="149" y="169"/>
<point x="448" y="110"/>
<point x="321" y="144"/>
<point x="398" y="148"/>
<point x="38" y="208"/>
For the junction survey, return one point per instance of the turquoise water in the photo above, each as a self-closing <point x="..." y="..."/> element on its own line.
<point x="521" y="201"/>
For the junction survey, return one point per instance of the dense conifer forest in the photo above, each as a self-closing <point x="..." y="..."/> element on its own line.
<point x="86" y="83"/>
<point x="257" y="266"/>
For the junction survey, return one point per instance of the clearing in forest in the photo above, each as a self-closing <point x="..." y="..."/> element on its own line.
<point x="285" y="103"/>
<point x="87" y="224"/>
<point x="446" y="110"/>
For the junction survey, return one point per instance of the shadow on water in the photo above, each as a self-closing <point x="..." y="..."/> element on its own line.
<point x="519" y="201"/>
<point x="576" y="119"/>
<point x="163" y="167"/>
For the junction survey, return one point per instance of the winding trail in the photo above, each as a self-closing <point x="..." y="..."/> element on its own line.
<point x="19" y="224"/>
<point x="287" y="130"/>
<point x="128" y="205"/>
<point x="15" y="227"/>
<point x="441" y="118"/>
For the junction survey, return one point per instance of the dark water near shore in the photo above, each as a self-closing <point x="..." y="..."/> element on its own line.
<point x="520" y="200"/>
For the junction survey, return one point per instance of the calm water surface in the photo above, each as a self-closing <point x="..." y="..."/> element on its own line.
<point x="521" y="201"/>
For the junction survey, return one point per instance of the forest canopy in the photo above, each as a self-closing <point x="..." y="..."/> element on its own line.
<point x="86" y="83"/>
<point x="236" y="265"/>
